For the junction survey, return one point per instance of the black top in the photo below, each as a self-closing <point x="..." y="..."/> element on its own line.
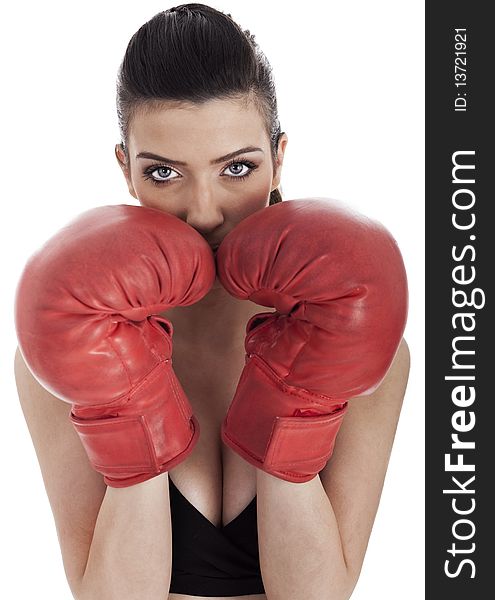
<point x="209" y="560"/>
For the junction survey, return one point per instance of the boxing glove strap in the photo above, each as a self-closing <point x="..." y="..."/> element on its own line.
<point x="278" y="428"/>
<point x="131" y="448"/>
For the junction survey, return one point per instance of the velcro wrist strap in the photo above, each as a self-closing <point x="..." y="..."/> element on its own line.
<point x="130" y="448"/>
<point x="267" y="427"/>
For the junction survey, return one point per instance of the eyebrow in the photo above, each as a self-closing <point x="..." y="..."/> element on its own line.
<point x="213" y="162"/>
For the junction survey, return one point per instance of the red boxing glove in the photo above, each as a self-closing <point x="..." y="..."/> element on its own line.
<point x="338" y="284"/>
<point x="86" y="327"/>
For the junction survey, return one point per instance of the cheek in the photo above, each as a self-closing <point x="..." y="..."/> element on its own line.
<point x="252" y="198"/>
<point x="145" y="192"/>
<point x="153" y="197"/>
<point x="249" y="206"/>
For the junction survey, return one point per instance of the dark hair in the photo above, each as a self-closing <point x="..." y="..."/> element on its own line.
<point x="195" y="53"/>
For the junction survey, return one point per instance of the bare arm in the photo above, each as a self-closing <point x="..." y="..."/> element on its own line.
<point x="131" y="550"/>
<point x="115" y="543"/>
<point x="313" y="536"/>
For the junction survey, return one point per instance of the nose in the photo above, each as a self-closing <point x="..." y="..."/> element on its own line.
<point x="204" y="211"/>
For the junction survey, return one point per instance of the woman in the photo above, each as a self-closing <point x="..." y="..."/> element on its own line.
<point x="201" y="142"/>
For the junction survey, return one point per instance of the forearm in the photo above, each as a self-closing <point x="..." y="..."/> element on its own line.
<point x="131" y="550"/>
<point x="301" y="553"/>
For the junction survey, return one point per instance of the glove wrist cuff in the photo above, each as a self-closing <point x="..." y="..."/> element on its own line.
<point x="281" y="429"/>
<point x="129" y="448"/>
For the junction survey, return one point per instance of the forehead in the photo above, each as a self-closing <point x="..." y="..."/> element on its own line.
<point x="216" y="125"/>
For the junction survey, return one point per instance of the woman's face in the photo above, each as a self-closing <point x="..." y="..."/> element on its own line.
<point x="209" y="164"/>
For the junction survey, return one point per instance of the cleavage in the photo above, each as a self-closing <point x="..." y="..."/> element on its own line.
<point x="203" y="517"/>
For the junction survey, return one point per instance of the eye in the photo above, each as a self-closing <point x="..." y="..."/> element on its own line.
<point x="236" y="169"/>
<point x="163" y="174"/>
<point x="240" y="169"/>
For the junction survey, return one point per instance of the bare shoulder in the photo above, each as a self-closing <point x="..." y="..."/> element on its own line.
<point x="353" y="478"/>
<point x="75" y="491"/>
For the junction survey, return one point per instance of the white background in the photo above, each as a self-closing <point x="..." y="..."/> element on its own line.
<point x="350" y="85"/>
